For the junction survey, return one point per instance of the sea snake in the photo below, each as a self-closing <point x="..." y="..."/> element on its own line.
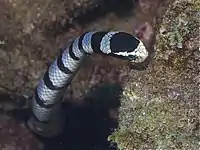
<point x="46" y="101"/>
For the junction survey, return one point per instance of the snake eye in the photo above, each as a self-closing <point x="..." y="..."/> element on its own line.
<point x="132" y="57"/>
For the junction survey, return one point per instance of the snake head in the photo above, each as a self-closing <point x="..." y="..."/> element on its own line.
<point x="127" y="47"/>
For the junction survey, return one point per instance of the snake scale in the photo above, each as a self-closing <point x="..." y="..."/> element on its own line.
<point x="46" y="117"/>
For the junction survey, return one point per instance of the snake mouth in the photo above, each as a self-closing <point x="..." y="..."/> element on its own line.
<point x="128" y="58"/>
<point x="132" y="58"/>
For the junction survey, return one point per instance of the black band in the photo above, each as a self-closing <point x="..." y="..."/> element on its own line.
<point x="62" y="67"/>
<point x="80" y="45"/>
<point x="71" y="53"/>
<point x="41" y="103"/>
<point x="48" y="82"/>
<point x="96" y="41"/>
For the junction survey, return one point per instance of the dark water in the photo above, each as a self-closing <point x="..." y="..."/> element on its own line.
<point x="86" y="129"/>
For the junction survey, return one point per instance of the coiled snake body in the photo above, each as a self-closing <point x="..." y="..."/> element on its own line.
<point x="46" y="102"/>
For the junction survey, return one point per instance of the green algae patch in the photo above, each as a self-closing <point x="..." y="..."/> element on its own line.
<point x="160" y="106"/>
<point x="179" y="24"/>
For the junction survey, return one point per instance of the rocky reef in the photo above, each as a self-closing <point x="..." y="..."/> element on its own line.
<point x="160" y="105"/>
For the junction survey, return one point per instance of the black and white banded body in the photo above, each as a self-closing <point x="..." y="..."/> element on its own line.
<point x="46" y="101"/>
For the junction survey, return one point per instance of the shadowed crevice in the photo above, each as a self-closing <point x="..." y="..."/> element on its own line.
<point x="82" y="17"/>
<point x="88" y="125"/>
